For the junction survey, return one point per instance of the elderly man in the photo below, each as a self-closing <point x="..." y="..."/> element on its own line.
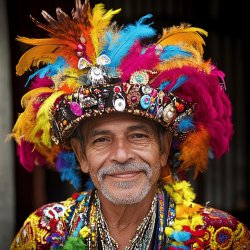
<point x="133" y="111"/>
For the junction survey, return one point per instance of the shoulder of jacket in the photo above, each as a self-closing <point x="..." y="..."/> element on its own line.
<point x="47" y="224"/>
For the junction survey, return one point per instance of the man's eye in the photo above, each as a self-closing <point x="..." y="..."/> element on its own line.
<point x="100" y="140"/>
<point x="139" y="136"/>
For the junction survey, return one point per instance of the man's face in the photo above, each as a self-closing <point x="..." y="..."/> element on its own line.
<point x="122" y="154"/>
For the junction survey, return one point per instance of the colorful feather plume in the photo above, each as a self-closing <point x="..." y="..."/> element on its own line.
<point x="83" y="34"/>
<point x="183" y="34"/>
<point x="67" y="165"/>
<point x="43" y="120"/>
<point x="176" y="64"/>
<point x="194" y="151"/>
<point x="122" y="41"/>
<point x="99" y="21"/>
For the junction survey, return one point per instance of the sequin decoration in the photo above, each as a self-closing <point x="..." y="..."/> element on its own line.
<point x="145" y="101"/>
<point x="139" y="77"/>
<point x="97" y="75"/>
<point x="133" y="98"/>
<point x="169" y="113"/>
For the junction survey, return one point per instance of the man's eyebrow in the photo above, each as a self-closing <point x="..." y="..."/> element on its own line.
<point x="139" y="127"/>
<point x="99" y="132"/>
<point x="129" y="129"/>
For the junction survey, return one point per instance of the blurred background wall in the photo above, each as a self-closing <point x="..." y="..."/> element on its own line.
<point x="225" y="184"/>
<point x="7" y="166"/>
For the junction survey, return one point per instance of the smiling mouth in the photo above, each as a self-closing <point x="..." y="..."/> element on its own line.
<point x="126" y="175"/>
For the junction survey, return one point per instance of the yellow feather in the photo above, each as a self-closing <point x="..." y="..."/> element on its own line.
<point x="183" y="34"/>
<point x="24" y="124"/>
<point x="41" y="41"/>
<point x="26" y="120"/>
<point x="34" y="93"/>
<point x="33" y="56"/>
<point x="43" y="120"/>
<point x="181" y="62"/>
<point x="99" y="20"/>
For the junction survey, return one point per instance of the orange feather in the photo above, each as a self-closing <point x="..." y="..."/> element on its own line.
<point x="183" y="34"/>
<point x="194" y="151"/>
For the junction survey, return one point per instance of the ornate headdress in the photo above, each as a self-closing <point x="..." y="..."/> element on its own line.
<point x="89" y="66"/>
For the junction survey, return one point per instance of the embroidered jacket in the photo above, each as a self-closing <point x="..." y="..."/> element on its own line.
<point x="186" y="225"/>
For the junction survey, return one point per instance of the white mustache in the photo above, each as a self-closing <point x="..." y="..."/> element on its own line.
<point x="125" y="167"/>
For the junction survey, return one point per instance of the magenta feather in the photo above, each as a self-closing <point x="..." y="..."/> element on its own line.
<point x="211" y="112"/>
<point x="29" y="158"/>
<point x="41" y="82"/>
<point x="138" y="59"/>
<point x="214" y="109"/>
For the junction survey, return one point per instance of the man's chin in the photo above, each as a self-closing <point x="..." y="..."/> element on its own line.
<point x="124" y="194"/>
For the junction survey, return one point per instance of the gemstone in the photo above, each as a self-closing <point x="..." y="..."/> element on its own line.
<point x="105" y="93"/>
<point x="134" y="99"/>
<point x="139" y="78"/>
<point x="96" y="71"/>
<point x="146" y="90"/>
<point x="75" y="108"/>
<point x="117" y="89"/>
<point x="159" y="112"/>
<point x="145" y="101"/>
<point x="119" y="104"/>
<point x="79" y="53"/>
<point x="180" y="107"/>
<point x="79" y="46"/>
<point x="169" y="113"/>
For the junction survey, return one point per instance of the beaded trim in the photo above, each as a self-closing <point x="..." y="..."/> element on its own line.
<point x="135" y="97"/>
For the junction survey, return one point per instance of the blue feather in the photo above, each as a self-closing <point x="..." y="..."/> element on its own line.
<point x="186" y="124"/>
<point x="109" y="37"/>
<point x="164" y="85"/>
<point x="173" y="51"/>
<point x="71" y="175"/>
<point x="178" y="83"/>
<point x="66" y="163"/>
<point x="181" y="236"/>
<point x="49" y="70"/>
<point x="88" y="185"/>
<point x="117" y="49"/>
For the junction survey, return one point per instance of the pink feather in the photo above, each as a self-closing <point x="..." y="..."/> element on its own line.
<point x="41" y="82"/>
<point x="211" y="111"/>
<point x="137" y="60"/>
<point x="28" y="157"/>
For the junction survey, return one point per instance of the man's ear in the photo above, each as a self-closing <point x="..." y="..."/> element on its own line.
<point x="165" y="142"/>
<point x="80" y="155"/>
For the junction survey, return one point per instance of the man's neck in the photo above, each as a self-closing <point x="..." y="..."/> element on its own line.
<point x="123" y="220"/>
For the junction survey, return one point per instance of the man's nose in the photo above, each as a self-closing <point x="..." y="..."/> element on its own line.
<point x="121" y="151"/>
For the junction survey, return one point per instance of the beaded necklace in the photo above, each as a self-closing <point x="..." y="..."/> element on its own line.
<point x="143" y="235"/>
<point x="88" y="223"/>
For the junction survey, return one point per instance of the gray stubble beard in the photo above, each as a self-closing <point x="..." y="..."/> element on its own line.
<point x="119" y="168"/>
